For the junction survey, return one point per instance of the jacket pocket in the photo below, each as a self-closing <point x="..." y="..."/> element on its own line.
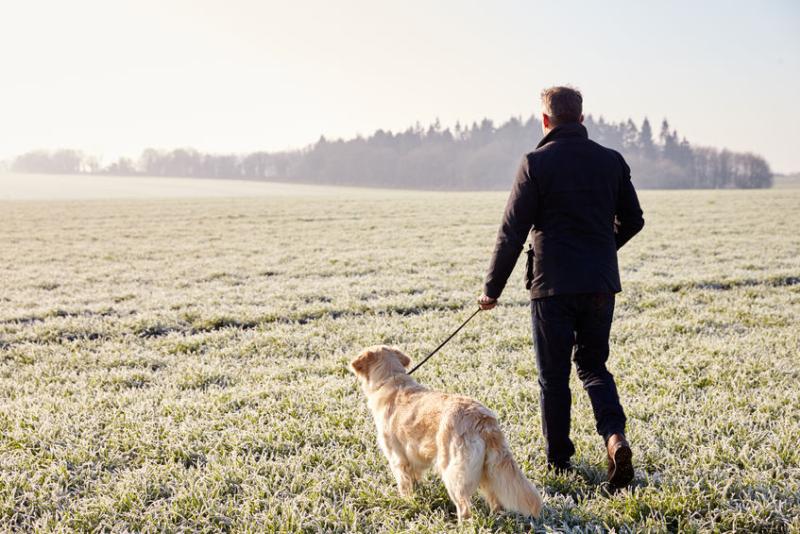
<point x="529" y="267"/>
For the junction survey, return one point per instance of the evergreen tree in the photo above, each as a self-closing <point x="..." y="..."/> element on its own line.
<point x="646" y="144"/>
<point x="630" y="136"/>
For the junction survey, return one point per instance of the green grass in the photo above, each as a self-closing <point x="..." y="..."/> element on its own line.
<point x="179" y="365"/>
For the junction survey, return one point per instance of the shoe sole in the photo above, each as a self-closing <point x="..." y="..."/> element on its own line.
<point x="623" y="467"/>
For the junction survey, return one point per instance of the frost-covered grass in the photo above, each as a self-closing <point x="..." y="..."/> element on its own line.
<point x="171" y="365"/>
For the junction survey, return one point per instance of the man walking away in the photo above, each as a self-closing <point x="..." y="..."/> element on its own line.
<point x="576" y="199"/>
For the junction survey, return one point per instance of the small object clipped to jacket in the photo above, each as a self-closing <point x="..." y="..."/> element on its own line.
<point x="529" y="267"/>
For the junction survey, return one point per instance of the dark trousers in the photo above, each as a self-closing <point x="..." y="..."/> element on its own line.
<point x="574" y="327"/>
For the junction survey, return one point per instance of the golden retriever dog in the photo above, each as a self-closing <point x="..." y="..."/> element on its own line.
<point x="418" y="428"/>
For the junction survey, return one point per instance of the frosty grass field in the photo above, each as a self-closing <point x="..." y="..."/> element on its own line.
<point x="180" y="364"/>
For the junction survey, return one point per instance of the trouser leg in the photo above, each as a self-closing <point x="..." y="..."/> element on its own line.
<point x="554" y="336"/>
<point x="594" y="315"/>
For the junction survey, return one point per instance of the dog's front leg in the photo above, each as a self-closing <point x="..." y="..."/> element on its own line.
<point x="400" y="467"/>
<point x="402" y="473"/>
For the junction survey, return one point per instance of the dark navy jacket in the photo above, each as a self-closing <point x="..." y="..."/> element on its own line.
<point x="576" y="199"/>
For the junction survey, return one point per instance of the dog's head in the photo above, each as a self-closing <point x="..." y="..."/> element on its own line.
<point x="379" y="362"/>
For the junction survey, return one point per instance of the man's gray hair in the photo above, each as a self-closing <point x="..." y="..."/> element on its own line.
<point x="562" y="104"/>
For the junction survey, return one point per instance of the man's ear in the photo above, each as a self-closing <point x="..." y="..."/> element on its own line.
<point x="581" y="119"/>
<point x="360" y="363"/>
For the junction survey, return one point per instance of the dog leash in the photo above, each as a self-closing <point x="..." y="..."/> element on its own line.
<point x="445" y="341"/>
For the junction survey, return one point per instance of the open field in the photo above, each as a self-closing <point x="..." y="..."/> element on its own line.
<point x="179" y="364"/>
<point x="17" y="186"/>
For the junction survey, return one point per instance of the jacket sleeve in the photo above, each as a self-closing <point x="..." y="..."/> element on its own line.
<point x="629" y="220"/>
<point x="517" y="221"/>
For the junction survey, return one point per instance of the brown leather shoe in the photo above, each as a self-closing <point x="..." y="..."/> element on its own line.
<point x="620" y="468"/>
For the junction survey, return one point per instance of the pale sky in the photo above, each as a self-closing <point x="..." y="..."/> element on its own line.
<point x="113" y="77"/>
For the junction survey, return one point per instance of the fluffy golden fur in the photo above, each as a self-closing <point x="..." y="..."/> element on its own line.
<point x="419" y="428"/>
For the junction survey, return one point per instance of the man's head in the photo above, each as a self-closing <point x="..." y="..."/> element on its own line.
<point x="561" y="105"/>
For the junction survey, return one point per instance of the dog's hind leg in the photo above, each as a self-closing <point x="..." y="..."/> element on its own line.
<point x="463" y="474"/>
<point x="488" y="494"/>
<point x="486" y="488"/>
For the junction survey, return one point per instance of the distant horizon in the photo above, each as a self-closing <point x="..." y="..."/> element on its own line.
<point x="105" y="159"/>
<point x="480" y="154"/>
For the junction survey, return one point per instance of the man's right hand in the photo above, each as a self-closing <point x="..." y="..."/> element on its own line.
<point x="487" y="303"/>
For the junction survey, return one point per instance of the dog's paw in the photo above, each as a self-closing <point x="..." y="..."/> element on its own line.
<point x="406" y="493"/>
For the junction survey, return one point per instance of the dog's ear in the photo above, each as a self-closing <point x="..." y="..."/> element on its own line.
<point x="361" y="363"/>
<point x="405" y="360"/>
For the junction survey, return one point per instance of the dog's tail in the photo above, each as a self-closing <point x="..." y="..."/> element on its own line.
<point x="504" y="480"/>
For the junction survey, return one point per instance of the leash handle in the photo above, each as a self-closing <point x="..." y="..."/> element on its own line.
<point x="443" y="343"/>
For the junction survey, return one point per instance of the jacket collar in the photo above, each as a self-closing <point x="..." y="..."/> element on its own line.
<point x="564" y="131"/>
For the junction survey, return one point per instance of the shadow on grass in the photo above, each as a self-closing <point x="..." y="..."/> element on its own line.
<point x="431" y="498"/>
<point x="588" y="481"/>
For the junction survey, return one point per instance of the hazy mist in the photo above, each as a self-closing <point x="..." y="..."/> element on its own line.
<point x="110" y="79"/>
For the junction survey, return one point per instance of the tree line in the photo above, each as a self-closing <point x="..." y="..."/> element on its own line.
<point x="477" y="156"/>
